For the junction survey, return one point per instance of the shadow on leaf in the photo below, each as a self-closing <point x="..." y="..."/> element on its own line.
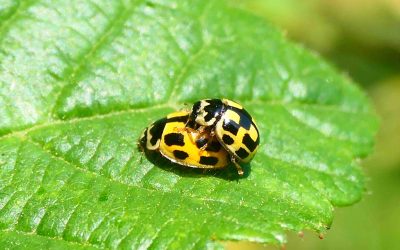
<point x="229" y="173"/>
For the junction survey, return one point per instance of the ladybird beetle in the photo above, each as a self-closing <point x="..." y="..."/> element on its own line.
<point x="169" y="137"/>
<point x="233" y="126"/>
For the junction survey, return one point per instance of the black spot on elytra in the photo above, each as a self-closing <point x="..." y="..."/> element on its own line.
<point x="249" y="143"/>
<point x="174" y="139"/>
<point x="180" y="154"/>
<point x="157" y="130"/>
<point x="213" y="109"/>
<point x="208" y="160"/>
<point x="230" y="126"/>
<point x="227" y="139"/>
<point x="208" y="117"/>
<point x="196" y="108"/>
<point x="213" y="146"/>
<point x="242" y="153"/>
<point x="245" y="118"/>
<point x="245" y="122"/>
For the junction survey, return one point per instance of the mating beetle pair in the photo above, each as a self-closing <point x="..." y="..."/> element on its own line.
<point x="215" y="133"/>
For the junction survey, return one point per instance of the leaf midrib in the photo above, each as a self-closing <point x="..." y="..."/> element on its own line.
<point x="175" y="106"/>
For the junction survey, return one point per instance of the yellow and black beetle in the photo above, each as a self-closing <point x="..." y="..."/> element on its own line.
<point x="233" y="126"/>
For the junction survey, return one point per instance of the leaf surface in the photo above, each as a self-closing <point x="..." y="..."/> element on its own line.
<point x="80" y="80"/>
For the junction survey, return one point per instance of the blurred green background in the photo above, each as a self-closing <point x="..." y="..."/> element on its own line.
<point x="362" y="39"/>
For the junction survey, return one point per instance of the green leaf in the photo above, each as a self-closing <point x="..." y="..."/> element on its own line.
<point x="80" y="80"/>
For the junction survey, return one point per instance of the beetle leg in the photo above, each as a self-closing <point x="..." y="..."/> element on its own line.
<point x="203" y="147"/>
<point x="205" y="171"/>
<point x="238" y="167"/>
<point x="198" y="134"/>
<point x="212" y="133"/>
<point x="190" y="132"/>
<point x="207" y="134"/>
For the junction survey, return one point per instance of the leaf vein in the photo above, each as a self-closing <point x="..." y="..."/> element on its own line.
<point x="305" y="124"/>
<point x="65" y="183"/>
<point x="297" y="164"/>
<point x="33" y="194"/>
<point x="24" y="131"/>
<point x="76" y="243"/>
<point x="112" y="30"/>
<point x="14" y="16"/>
<point x="97" y="175"/>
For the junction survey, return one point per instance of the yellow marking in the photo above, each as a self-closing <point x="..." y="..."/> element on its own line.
<point x="177" y="114"/>
<point x="149" y="136"/>
<point x="232" y="103"/>
<point x="200" y="117"/>
<point x="253" y="133"/>
<point x="232" y="115"/>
